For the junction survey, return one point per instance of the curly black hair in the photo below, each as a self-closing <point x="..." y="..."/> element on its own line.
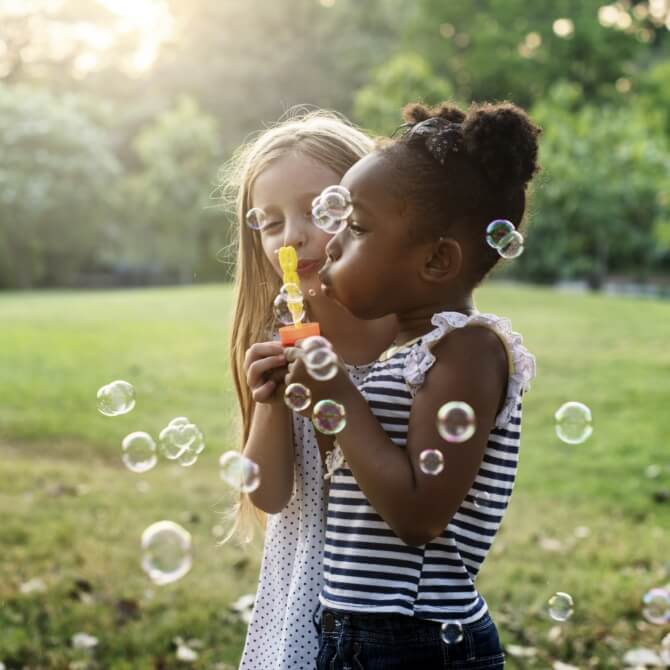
<point x="484" y="179"/>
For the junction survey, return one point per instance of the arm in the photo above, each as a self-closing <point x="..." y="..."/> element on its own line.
<point x="471" y="366"/>
<point x="270" y="441"/>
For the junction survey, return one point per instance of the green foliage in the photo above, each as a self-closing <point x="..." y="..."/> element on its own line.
<point x="603" y="199"/>
<point x="508" y="49"/>
<point x="407" y="77"/>
<point x="57" y="193"/>
<point x="172" y="226"/>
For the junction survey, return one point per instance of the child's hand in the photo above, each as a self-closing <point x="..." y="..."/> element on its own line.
<point x="298" y="373"/>
<point x="265" y="365"/>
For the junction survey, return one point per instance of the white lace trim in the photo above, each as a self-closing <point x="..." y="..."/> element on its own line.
<point x="522" y="362"/>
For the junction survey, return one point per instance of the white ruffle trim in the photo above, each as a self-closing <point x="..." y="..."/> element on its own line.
<point x="522" y="362"/>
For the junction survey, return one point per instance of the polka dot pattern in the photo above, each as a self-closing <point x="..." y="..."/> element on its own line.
<point x="281" y="634"/>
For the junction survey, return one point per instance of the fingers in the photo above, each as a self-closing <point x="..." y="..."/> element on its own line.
<point x="261" y="350"/>
<point x="293" y="354"/>
<point x="257" y="373"/>
<point x="264" y="392"/>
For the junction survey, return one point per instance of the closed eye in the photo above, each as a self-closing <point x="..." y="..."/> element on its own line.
<point x="270" y="225"/>
<point x="355" y="229"/>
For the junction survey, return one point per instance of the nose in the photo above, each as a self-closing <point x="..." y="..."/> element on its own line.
<point x="295" y="231"/>
<point x="334" y="248"/>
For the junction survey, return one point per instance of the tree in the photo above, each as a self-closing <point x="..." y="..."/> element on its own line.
<point x="513" y="49"/>
<point x="407" y="77"/>
<point x="172" y="226"/>
<point x="602" y="203"/>
<point x="57" y="195"/>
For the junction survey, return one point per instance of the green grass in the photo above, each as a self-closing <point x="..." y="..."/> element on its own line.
<point x="71" y="511"/>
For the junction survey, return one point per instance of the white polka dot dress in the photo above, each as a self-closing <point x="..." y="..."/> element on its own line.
<point x="281" y="633"/>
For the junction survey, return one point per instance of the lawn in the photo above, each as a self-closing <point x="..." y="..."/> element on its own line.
<point x="592" y="520"/>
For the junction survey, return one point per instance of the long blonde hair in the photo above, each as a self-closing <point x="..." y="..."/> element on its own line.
<point x="325" y="137"/>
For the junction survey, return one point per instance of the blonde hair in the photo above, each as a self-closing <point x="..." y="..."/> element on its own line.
<point x="325" y="137"/>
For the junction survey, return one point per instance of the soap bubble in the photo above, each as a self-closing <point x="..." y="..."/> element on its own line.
<point x="329" y="417"/>
<point x="561" y="606"/>
<point x="456" y="421"/>
<point x="321" y="364"/>
<point x="497" y="230"/>
<point x="239" y="471"/>
<point x="325" y="222"/>
<point x="256" y="218"/>
<point x="297" y="397"/>
<point x="282" y="310"/>
<point x="511" y="246"/>
<point x="166" y="552"/>
<point x="178" y="437"/>
<point x="451" y="633"/>
<point x="116" y="398"/>
<point x="314" y="342"/>
<point x="657" y="606"/>
<point x="139" y="452"/>
<point x="187" y="458"/>
<point x="431" y="461"/>
<point x="573" y="422"/>
<point x="292" y="292"/>
<point x="336" y="201"/>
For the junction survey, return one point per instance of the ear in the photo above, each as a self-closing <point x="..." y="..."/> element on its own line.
<point x="443" y="261"/>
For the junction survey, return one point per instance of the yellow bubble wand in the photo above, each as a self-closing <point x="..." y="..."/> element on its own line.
<point x="289" y="335"/>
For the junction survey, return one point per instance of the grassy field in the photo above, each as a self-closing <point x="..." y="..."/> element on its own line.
<point x="586" y="519"/>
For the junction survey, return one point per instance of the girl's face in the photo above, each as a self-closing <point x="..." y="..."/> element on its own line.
<point x="284" y="191"/>
<point x="372" y="263"/>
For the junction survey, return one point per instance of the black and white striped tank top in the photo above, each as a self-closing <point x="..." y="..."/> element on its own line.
<point x="367" y="568"/>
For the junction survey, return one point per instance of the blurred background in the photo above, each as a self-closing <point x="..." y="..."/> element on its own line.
<point x="115" y="118"/>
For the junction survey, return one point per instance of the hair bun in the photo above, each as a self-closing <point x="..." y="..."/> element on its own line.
<point x="415" y="112"/>
<point x="502" y="139"/>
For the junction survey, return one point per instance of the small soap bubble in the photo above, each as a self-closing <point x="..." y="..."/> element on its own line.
<point x="116" y="398"/>
<point x="297" y="397"/>
<point x="327" y="223"/>
<point x="178" y="437"/>
<point x="431" y="461"/>
<point x="456" y="421"/>
<point x="256" y="218"/>
<point x="656" y="608"/>
<point x="336" y="201"/>
<point x="321" y="364"/>
<point x="451" y="632"/>
<point x="282" y="310"/>
<point x="187" y="458"/>
<point x="497" y="230"/>
<point x="239" y="471"/>
<point x="329" y="417"/>
<point x="291" y="291"/>
<point x="314" y="342"/>
<point x="138" y="452"/>
<point x="166" y="552"/>
<point x="573" y="422"/>
<point x="561" y="606"/>
<point x="511" y="246"/>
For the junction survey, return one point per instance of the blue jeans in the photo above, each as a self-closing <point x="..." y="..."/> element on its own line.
<point x="349" y="641"/>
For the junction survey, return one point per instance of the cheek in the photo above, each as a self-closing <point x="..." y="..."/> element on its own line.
<point x="270" y="248"/>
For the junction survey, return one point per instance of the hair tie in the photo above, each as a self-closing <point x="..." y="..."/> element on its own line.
<point x="440" y="136"/>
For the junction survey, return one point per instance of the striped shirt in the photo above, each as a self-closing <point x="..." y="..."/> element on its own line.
<point x="367" y="568"/>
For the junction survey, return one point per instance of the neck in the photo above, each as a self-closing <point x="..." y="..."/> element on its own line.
<point x="416" y="322"/>
<point x="357" y="341"/>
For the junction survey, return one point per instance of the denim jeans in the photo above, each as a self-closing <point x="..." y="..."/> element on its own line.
<point x="349" y="641"/>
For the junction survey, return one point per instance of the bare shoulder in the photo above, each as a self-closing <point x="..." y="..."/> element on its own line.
<point x="473" y="346"/>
